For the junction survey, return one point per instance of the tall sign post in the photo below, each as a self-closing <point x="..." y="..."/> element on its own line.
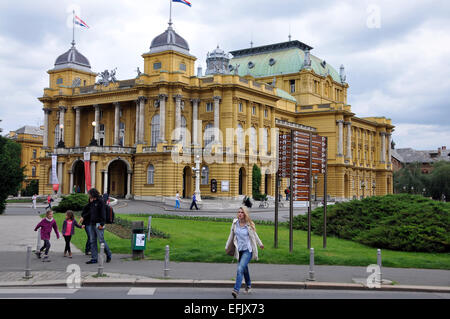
<point x="325" y="195"/>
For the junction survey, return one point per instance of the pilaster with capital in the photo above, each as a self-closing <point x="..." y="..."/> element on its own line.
<point x="340" y="138"/>
<point x="162" y="117"/>
<point x="141" y="100"/>
<point x="46" y="116"/>
<point x="389" y="135"/>
<point x="216" y="118"/>
<point x="97" y="121"/>
<point x="116" y="122"/>
<point x="348" y="155"/>
<point x="178" y="98"/>
<point x="383" y="147"/>
<point x="77" y="126"/>
<point x="195" y="123"/>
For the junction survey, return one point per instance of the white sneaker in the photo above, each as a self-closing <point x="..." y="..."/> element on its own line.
<point x="248" y="290"/>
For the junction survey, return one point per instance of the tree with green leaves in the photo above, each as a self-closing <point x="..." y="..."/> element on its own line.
<point x="11" y="174"/>
<point x="410" y="179"/>
<point x="440" y="181"/>
<point x="256" y="182"/>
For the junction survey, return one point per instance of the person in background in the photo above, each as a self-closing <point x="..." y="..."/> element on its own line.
<point x="84" y="221"/>
<point x="194" y="201"/>
<point x="177" y="200"/>
<point x="34" y="201"/>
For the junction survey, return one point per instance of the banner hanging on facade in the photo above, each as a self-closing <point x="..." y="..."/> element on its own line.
<point x="55" y="180"/>
<point x="87" y="170"/>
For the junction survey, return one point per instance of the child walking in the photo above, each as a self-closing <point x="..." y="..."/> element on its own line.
<point x="46" y="225"/>
<point x="68" y="230"/>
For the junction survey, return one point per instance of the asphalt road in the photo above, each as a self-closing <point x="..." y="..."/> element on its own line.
<point x="205" y="293"/>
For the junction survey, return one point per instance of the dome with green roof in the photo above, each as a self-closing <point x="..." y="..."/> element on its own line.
<point x="278" y="59"/>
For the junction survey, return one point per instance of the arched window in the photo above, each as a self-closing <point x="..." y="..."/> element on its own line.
<point x="205" y="175"/>
<point x="240" y="138"/>
<point x="33" y="171"/>
<point x="151" y="174"/>
<point x="121" y="133"/>
<point x="208" y="136"/>
<point x="57" y="135"/>
<point x="34" y="154"/>
<point x="155" y="130"/>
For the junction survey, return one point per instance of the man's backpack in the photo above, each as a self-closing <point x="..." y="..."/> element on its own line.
<point x="109" y="215"/>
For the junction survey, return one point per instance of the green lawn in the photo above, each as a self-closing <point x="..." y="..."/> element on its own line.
<point x="204" y="241"/>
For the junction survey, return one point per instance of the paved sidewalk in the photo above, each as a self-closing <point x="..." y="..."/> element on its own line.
<point x="16" y="232"/>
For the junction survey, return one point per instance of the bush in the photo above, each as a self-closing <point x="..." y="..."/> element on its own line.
<point x="399" y="222"/>
<point x="73" y="202"/>
<point x="31" y="188"/>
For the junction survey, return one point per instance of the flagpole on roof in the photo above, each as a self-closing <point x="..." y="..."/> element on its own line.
<point x="170" y="16"/>
<point x="73" y="28"/>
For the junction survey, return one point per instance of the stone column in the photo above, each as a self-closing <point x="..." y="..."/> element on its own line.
<point x="389" y="148"/>
<point x="77" y="126"/>
<point x="116" y="123"/>
<point x="383" y="147"/>
<point x="216" y="118"/>
<point x="136" y="137"/>
<point x="93" y="165"/>
<point x="195" y="121"/>
<point x="46" y="115"/>
<point x="60" y="177"/>
<point x="97" y="120"/>
<point x="62" y="111"/>
<point x="341" y="138"/>
<point x="141" y="101"/>
<point x="162" y="118"/>
<point x="105" y="181"/>
<point x="71" y="181"/>
<point x="177" y="117"/>
<point x="128" y="195"/>
<point x="348" y="155"/>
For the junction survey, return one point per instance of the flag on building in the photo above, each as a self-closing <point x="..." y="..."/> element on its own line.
<point x="183" y="1"/>
<point x="80" y="22"/>
<point x="87" y="170"/>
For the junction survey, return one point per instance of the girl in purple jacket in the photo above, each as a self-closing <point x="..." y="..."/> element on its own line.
<point x="46" y="225"/>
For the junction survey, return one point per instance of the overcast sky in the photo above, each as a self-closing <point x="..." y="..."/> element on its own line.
<point x="396" y="53"/>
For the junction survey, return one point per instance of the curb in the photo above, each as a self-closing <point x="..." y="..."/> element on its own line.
<point x="191" y="283"/>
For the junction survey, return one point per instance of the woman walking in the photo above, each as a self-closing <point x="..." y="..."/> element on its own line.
<point x="245" y="241"/>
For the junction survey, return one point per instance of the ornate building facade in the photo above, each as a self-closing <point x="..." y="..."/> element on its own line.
<point x="169" y="129"/>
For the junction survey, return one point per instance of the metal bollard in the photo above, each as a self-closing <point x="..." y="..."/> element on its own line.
<point x="101" y="259"/>
<point x="311" y="265"/>
<point x="166" y="263"/>
<point x="379" y="278"/>
<point x="38" y="245"/>
<point x="28" y="264"/>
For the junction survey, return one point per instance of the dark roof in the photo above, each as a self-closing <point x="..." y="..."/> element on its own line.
<point x="73" y="56"/>
<point x="169" y="37"/>
<point x="271" y="48"/>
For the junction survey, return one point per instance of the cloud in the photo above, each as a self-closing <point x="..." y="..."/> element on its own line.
<point x="399" y="70"/>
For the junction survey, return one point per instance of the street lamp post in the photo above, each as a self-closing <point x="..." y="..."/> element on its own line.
<point x="93" y="141"/>
<point x="196" y="169"/>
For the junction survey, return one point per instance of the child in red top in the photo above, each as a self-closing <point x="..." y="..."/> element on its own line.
<point x="68" y="230"/>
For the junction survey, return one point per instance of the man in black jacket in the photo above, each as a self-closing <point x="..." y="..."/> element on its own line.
<point x="97" y="217"/>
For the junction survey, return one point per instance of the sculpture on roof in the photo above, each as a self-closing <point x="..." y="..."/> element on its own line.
<point x="107" y="77"/>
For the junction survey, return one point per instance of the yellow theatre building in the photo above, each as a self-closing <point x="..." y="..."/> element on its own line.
<point x="174" y="129"/>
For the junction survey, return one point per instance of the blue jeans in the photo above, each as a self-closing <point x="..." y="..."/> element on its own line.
<point x="94" y="234"/>
<point x="242" y="270"/>
<point x="177" y="204"/>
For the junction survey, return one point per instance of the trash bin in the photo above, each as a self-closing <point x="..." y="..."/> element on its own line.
<point x="139" y="240"/>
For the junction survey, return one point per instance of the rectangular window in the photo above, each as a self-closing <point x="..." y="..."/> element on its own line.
<point x="59" y="81"/>
<point x="241" y="108"/>
<point x="254" y="110"/>
<point x="182" y="67"/>
<point x="266" y="113"/>
<point x="157" y="66"/>
<point x="34" y="154"/>
<point x="292" y="85"/>
<point x="209" y="107"/>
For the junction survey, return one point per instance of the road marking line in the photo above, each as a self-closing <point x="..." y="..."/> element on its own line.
<point x="49" y="291"/>
<point x="141" y="291"/>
